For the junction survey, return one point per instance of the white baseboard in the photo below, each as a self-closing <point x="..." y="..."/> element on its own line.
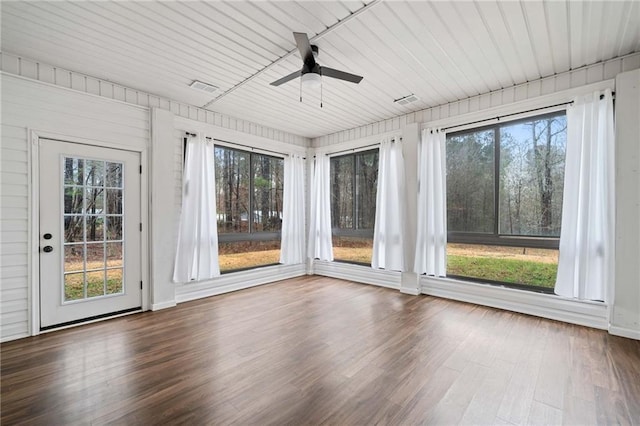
<point x="358" y="273"/>
<point x="590" y="314"/>
<point x="410" y="290"/>
<point x="238" y="281"/>
<point x="624" y="332"/>
<point x="11" y="337"/>
<point x="163" y="305"/>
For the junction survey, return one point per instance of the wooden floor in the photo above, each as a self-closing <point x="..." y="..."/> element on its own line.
<point x="316" y="350"/>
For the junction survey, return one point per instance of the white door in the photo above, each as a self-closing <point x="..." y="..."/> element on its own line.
<point x="90" y="237"/>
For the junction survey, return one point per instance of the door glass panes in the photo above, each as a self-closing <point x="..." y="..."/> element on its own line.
<point x="470" y="184"/>
<point x="93" y="228"/>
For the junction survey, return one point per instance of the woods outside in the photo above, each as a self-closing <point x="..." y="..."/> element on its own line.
<point x="530" y="179"/>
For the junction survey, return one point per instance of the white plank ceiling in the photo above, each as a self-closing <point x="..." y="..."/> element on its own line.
<point x="441" y="51"/>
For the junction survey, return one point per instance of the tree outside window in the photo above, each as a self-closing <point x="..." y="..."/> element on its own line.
<point x="354" y="184"/>
<point x="504" y="200"/>
<point x="249" y="196"/>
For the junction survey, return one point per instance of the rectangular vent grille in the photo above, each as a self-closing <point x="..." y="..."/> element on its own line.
<point x="204" y="87"/>
<point x="407" y="99"/>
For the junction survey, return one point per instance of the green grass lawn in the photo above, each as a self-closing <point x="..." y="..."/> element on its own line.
<point x="232" y="261"/>
<point x="503" y="270"/>
<point x="531" y="266"/>
<point x="502" y="264"/>
<point x="74" y="288"/>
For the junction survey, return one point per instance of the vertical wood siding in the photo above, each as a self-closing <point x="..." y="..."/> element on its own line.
<point x="72" y="112"/>
<point x="26" y="105"/>
<point x="32" y="69"/>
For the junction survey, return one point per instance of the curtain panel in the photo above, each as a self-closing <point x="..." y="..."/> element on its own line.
<point x="431" y="245"/>
<point x="320" y="245"/>
<point x="197" y="251"/>
<point x="585" y="263"/>
<point x="388" y="249"/>
<point x="292" y="246"/>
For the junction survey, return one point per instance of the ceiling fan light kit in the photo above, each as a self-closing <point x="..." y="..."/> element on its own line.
<point x="311" y="80"/>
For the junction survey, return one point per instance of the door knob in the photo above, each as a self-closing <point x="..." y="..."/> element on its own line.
<point x="47" y="249"/>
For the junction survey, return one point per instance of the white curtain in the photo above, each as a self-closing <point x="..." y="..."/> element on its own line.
<point x="431" y="245"/>
<point x="587" y="235"/>
<point x="320" y="215"/>
<point x="388" y="250"/>
<point x="292" y="243"/>
<point x="197" y="253"/>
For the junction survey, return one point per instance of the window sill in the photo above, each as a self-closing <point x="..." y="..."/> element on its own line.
<point x="551" y="306"/>
<point x="352" y="262"/>
<point x="248" y="268"/>
<point x="358" y="273"/>
<point x="500" y="284"/>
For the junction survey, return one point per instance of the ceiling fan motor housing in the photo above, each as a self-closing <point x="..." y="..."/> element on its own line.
<point x="310" y="66"/>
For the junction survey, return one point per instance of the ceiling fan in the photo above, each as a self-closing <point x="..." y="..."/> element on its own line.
<point x="311" y="71"/>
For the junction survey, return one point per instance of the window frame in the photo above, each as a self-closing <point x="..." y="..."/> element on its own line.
<point x="354" y="231"/>
<point x="496" y="238"/>
<point x="251" y="234"/>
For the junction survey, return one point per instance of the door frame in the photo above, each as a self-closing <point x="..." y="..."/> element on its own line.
<point x="33" y="207"/>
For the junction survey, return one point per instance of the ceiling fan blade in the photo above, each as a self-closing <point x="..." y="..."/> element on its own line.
<point x="287" y="78"/>
<point x="340" y="75"/>
<point x="304" y="47"/>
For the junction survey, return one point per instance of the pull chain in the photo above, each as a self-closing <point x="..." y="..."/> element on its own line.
<point x="300" y="88"/>
<point x="321" y="87"/>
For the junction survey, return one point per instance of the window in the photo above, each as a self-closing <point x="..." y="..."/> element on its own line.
<point x="354" y="183"/>
<point x="504" y="201"/>
<point x="249" y="208"/>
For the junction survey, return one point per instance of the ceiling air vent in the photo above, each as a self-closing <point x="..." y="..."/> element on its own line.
<point x="406" y="100"/>
<point x="204" y="87"/>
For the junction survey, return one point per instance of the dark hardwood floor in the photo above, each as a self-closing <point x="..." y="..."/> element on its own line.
<point x="317" y="350"/>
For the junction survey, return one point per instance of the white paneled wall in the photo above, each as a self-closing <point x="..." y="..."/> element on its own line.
<point x="533" y="89"/>
<point x="28" y="105"/>
<point x="72" y="80"/>
<point x="55" y="101"/>
<point x="14" y="266"/>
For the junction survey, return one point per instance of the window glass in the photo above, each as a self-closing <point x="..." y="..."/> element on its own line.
<point x="354" y="184"/>
<point x="470" y="184"/>
<point x="366" y="189"/>
<point x="268" y="179"/>
<point x="532" y="156"/>
<point x="504" y="201"/>
<point x="232" y="190"/>
<point x="249" y="196"/>
<point x="342" y="188"/>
